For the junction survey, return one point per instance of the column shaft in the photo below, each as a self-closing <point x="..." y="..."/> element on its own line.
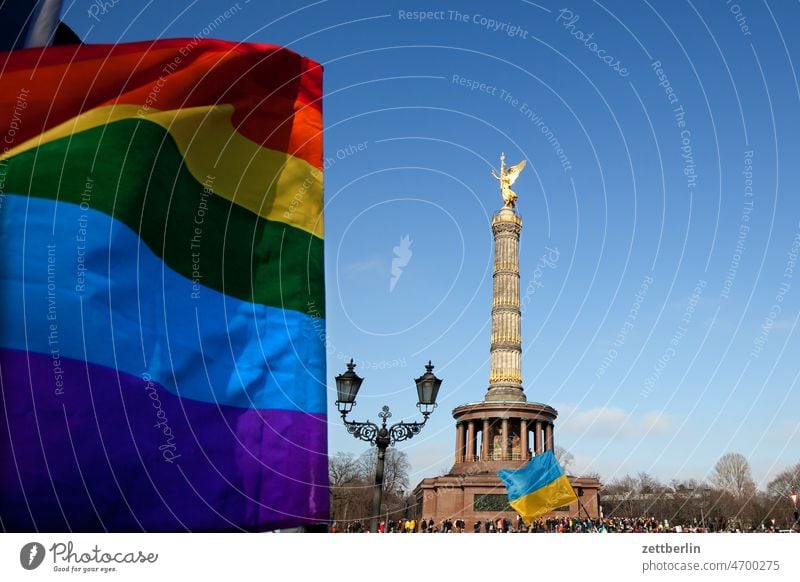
<point x="459" y="442"/>
<point x="470" y="441"/>
<point x="548" y="438"/>
<point x="504" y="442"/>
<point x="505" y="375"/>
<point x="486" y="438"/>
<point x="537" y="437"/>
<point x="523" y="439"/>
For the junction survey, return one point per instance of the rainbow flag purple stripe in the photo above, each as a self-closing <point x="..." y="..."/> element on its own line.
<point x="161" y="358"/>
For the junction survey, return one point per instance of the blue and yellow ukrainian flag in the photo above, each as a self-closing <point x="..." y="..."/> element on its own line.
<point x="538" y="487"/>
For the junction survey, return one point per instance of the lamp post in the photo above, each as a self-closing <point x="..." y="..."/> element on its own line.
<point x="347" y="386"/>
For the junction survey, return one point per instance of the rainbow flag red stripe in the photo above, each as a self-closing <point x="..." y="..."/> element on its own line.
<point x="161" y="353"/>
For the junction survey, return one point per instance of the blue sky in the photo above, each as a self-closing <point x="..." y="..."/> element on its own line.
<point x="669" y="213"/>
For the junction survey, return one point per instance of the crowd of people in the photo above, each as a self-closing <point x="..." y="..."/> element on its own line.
<point x="460" y="526"/>
<point x="550" y="525"/>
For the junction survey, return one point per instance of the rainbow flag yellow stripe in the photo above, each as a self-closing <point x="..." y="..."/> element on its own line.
<point x="211" y="147"/>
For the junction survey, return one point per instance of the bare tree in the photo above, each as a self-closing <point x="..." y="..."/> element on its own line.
<point x="342" y="469"/>
<point x="738" y="497"/>
<point x="395" y="470"/>
<point x="620" y="497"/>
<point x="654" y="496"/>
<point x="565" y="458"/>
<point x="626" y="484"/>
<point x="349" y="491"/>
<point x="683" y="501"/>
<point x="732" y="474"/>
<point x="352" y="480"/>
<point x="648" y="483"/>
<point x="777" y="504"/>
<point x="785" y="483"/>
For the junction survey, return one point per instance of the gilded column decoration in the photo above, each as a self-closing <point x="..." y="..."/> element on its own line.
<point x="505" y="371"/>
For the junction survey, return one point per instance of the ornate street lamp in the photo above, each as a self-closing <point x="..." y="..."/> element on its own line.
<point x="347" y="386"/>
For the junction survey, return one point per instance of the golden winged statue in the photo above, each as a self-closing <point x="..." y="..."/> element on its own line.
<point x="507" y="177"/>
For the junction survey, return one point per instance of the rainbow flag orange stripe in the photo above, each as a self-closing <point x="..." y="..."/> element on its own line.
<point x="161" y="354"/>
<point x="276" y="94"/>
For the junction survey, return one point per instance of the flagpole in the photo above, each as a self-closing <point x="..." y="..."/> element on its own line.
<point x="581" y="506"/>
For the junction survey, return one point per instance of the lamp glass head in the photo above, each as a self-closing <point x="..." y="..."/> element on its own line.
<point x="428" y="388"/>
<point x="347" y="387"/>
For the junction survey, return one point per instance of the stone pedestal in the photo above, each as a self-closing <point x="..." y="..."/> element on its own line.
<point x="482" y="497"/>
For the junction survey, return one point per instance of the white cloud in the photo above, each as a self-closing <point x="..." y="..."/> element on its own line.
<point x="656" y="423"/>
<point x="784" y="324"/>
<point x="612" y="422"/>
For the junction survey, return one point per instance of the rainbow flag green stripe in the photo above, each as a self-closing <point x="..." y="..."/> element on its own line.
<point x="137" y="167"/>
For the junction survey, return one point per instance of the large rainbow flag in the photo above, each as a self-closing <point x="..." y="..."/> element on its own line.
<point x="162" y="338"/>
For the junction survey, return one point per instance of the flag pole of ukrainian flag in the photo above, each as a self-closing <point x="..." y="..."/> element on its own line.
<point x="538" y="487"/>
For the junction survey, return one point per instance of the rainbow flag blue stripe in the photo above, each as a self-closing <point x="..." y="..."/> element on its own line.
<point x="161" y="357"/>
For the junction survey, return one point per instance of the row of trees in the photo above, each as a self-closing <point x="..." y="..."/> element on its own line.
<point x="730" y="499"/>
<point x="352" y="479"/>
